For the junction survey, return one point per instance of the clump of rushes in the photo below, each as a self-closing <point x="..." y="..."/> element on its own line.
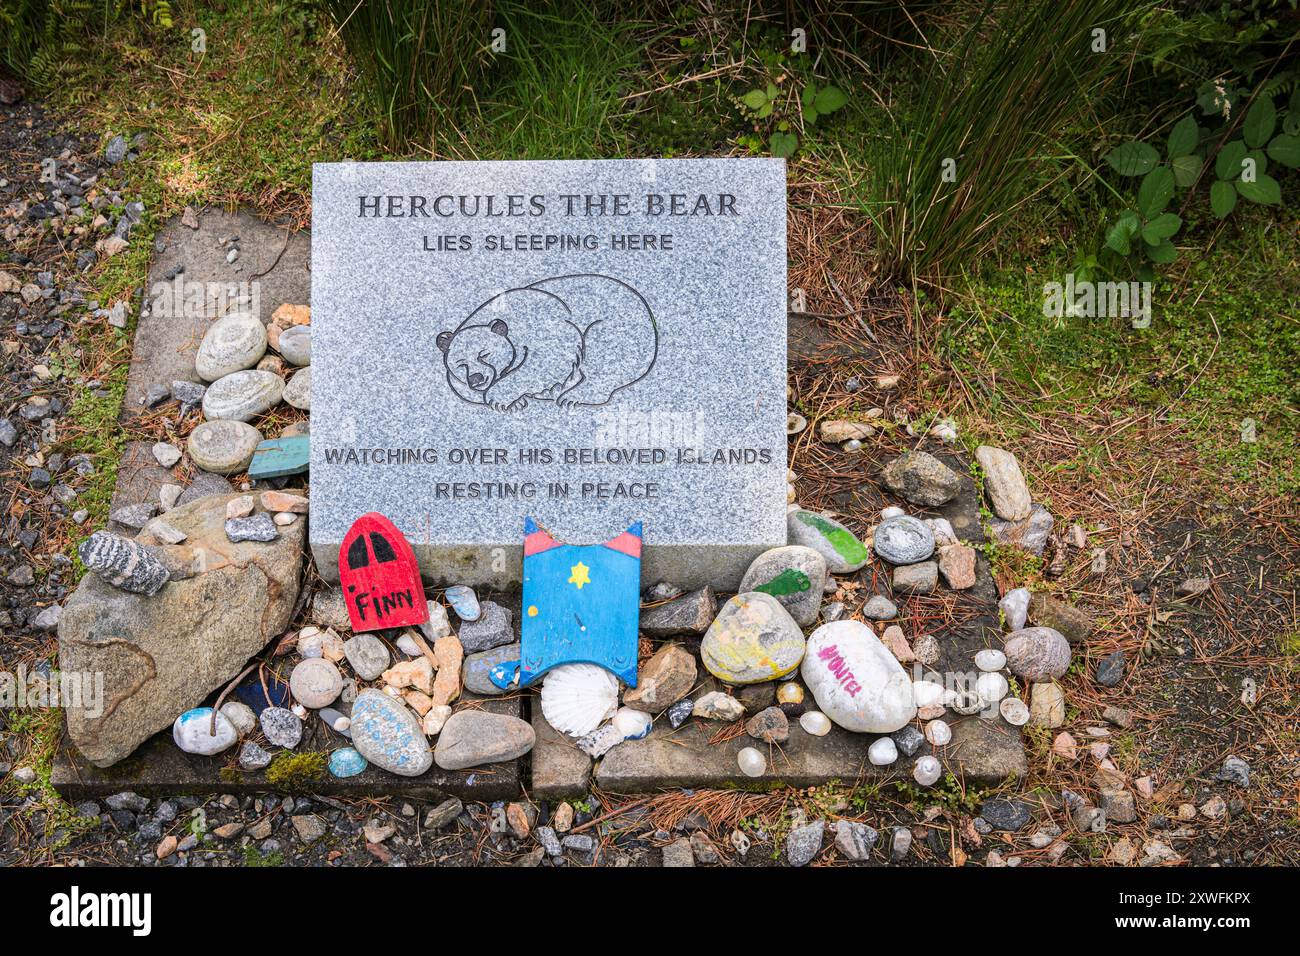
<point x="417" y="61"/>
<point x="958" y="162"/>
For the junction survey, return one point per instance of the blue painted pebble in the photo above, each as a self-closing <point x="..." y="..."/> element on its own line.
<point x="464" y="602"/>
<point x="193" y="732"/>
<point x="386" y="732"/>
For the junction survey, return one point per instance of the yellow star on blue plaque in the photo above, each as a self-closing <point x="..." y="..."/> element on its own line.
<point x="579" y="577"/>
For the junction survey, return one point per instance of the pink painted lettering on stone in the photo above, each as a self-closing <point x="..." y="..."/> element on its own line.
<point x="837" y="666"/>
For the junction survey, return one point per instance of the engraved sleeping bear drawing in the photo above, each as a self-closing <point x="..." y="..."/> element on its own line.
<point x="574" y="340"/>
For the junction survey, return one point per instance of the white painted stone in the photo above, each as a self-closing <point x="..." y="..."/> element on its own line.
<point x="192" y="732"/>
<point x="856" y="681"/>
<point x="815" y="722"/>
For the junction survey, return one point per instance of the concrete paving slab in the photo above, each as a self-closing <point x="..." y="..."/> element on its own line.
<point x="167" y="339"/>
<point x="559" y="768"/>
<point x="685" y="758"/>
<point x="159" y="768"/>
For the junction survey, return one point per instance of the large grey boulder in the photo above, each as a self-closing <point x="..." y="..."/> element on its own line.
<point x="161" y="655"/>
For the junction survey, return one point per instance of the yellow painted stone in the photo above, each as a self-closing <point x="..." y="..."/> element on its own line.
<point x="753" y="639"/>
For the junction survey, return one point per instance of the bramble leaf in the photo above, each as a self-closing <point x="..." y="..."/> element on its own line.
<point x="1133" y="158"/>
<point x="1223" y="198"/>
<point x="1264" y="190"/>
<point x="1184" y="137"/>
<point x="1260" y="121"/>
<point x="1155" y="192"/>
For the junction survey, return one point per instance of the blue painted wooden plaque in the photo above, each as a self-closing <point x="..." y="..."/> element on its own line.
<point x="581" y="604"/>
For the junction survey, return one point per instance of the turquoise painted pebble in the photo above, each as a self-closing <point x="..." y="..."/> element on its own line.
<point x="277" y="457"/>
<point x="464" y="602"/>
<point x="347" y="762"/>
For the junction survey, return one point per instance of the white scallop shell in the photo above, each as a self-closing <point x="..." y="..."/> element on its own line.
<point x="578" y="698"/>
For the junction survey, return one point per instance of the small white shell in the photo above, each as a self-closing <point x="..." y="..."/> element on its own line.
<point x="815" y="722"/>
<point x="992" y="687"/>
<point x="632" y="724"/>
<point x="927" y="693"/>
<point x="938" y="733"/>
<point x="883" y="752"/>
<point x="752" y="762"/>
<point x="927" y="771"/>
<point x="578" y="698"/>
<point x="990" y="660"/>
<point x="1014" y="711"/>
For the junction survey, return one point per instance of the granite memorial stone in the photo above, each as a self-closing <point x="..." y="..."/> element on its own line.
<point x="590" y="343"/>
